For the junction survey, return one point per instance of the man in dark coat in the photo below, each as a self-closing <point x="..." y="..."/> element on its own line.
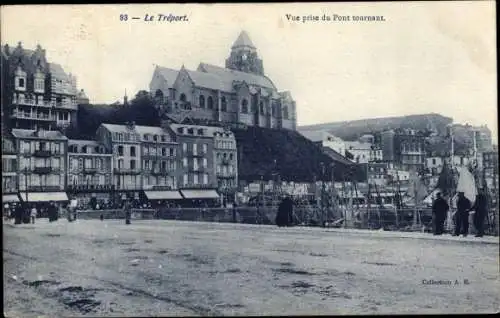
<point x="481" y="210"/>
<point x="462" y="216"/>
<point x="128" y="212"/>
<point x="439" y="210"/>
<point x="18" y="214"/>
<point x="285" y="213"/>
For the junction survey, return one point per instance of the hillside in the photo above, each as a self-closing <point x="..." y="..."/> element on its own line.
<point x="352" y="130"/>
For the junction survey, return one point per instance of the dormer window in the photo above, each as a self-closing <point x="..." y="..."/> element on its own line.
<point x="180" y="130"/>
<point x="20" y="79"/>
<point x="163" y="138"/>
<point x="155" y="138"/>
<point x="200" y="132"/>
<point x="191" y="131"/>
<point x="146" y="137"/>
<point x="21" y="83"/>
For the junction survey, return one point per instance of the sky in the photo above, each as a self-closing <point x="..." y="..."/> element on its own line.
<point x="426" y="57"/>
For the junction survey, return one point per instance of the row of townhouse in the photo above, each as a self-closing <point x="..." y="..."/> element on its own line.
<point x="123" y="160"/>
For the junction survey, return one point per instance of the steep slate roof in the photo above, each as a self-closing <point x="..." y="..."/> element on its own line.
<point x="44" y="134"/>
<point x="208" y="131"/>
<point x="211" y="81"/>
<point x="243" y="40"/>
<point x="227" y="76"/>
<point x="118" y="128"/>
<point x="169" y="74"/>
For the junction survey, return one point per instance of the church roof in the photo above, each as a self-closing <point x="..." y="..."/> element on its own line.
<point x="243" y="40"/>
<point x="169" y="74"/>
<point x="208" y="80"/>
<point x="227" y="76"/>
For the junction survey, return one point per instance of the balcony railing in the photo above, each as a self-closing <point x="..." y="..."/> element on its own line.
<point x="196" y="153"/>
<point x="44" y="188"/>
<point x="42" y="153"/>
<point x="226" y="175"/>
<point x="31" y="102"/>
<point x="159" y="172"/>
<point x="43" y="170"/>
<point x="33" y="116"/>
<point x="126" y="171"/>
<point x="90" y="170"/>
<point x="198" y="169"/>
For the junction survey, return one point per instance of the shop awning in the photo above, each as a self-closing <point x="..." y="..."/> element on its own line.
<point x="163" y="195"/>
<point x="10" y="198"/>
<point x="200" y="194"/>
<point x="44" y="196"/>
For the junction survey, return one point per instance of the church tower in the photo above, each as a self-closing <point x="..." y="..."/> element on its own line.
<point x="244" y="56"/>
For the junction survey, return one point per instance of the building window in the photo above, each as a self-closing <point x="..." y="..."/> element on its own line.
<point x="202" y="101"/>
<point x="180" y="130"/>
<point x="184" y="147"/>
<point x="244" y="106"/>
<point x="205" y="162"/>
<point x="163" y="138"/>
<point x="120" y="163"/>
<point x="191" y="131"/>
<point x="195" y="149"/>
<point x="185" y="162"/>
<point x="171" y="152"/>
<point x="120" y="150"/>
<point x="210" y="102"/>
<point x="200" y="132"/>
<point x="285" y="112"/>
<point x="146" y="164"/>
<point x="195" y="179"/>
<point x="261" y="107"/>
<point x="132" y="164"/>
<point x="132" y="151"/>
<point x="163" y="151"/>
<point x="185" y="179"/>
<point x="223" y="104"/>
<point x="182" y="97"/>
<point x="155" y="138"/>
<point x="21" y="82"/>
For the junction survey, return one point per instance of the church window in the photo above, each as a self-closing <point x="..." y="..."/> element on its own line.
<point x="210" y="102"/>
<point x="223" y="104"/>
<point x="244" y="106"/>
<point x="202" y="101"/>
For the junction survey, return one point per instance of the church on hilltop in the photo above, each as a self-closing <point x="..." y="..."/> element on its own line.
<point x="240" y="93"/>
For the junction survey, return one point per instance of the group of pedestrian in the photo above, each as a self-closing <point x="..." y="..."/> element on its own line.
<point x="440" y="210"/>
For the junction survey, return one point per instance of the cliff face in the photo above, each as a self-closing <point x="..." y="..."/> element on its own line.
<point x="352" y="130"/>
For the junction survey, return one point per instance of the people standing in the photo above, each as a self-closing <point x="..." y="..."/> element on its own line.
<point x="481" y="210"/>
<point x="33" y="214"/>
<point x="284" y="217"/>
<point x="439" y="211"/>
<point x="128" y="212"/>
<point x="18" y="213"/>
<point x="462" y="215"/>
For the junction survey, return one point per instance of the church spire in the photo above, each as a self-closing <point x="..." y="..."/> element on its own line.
<point x="243" y="56"/>
<point x="242" y="41"/>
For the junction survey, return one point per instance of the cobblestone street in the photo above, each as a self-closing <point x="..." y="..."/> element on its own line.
<point x="190" y="268"/>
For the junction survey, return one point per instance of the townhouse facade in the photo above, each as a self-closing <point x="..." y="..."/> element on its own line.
<point x="42" y="162"/>
<point x="89" y="173"/>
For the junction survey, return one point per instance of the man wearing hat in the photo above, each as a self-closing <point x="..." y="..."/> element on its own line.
<point x="439" y="210"/>
<point x="462" y="216"/>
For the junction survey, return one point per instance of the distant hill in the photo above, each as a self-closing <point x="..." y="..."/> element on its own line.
<point x="352" y="130"/>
